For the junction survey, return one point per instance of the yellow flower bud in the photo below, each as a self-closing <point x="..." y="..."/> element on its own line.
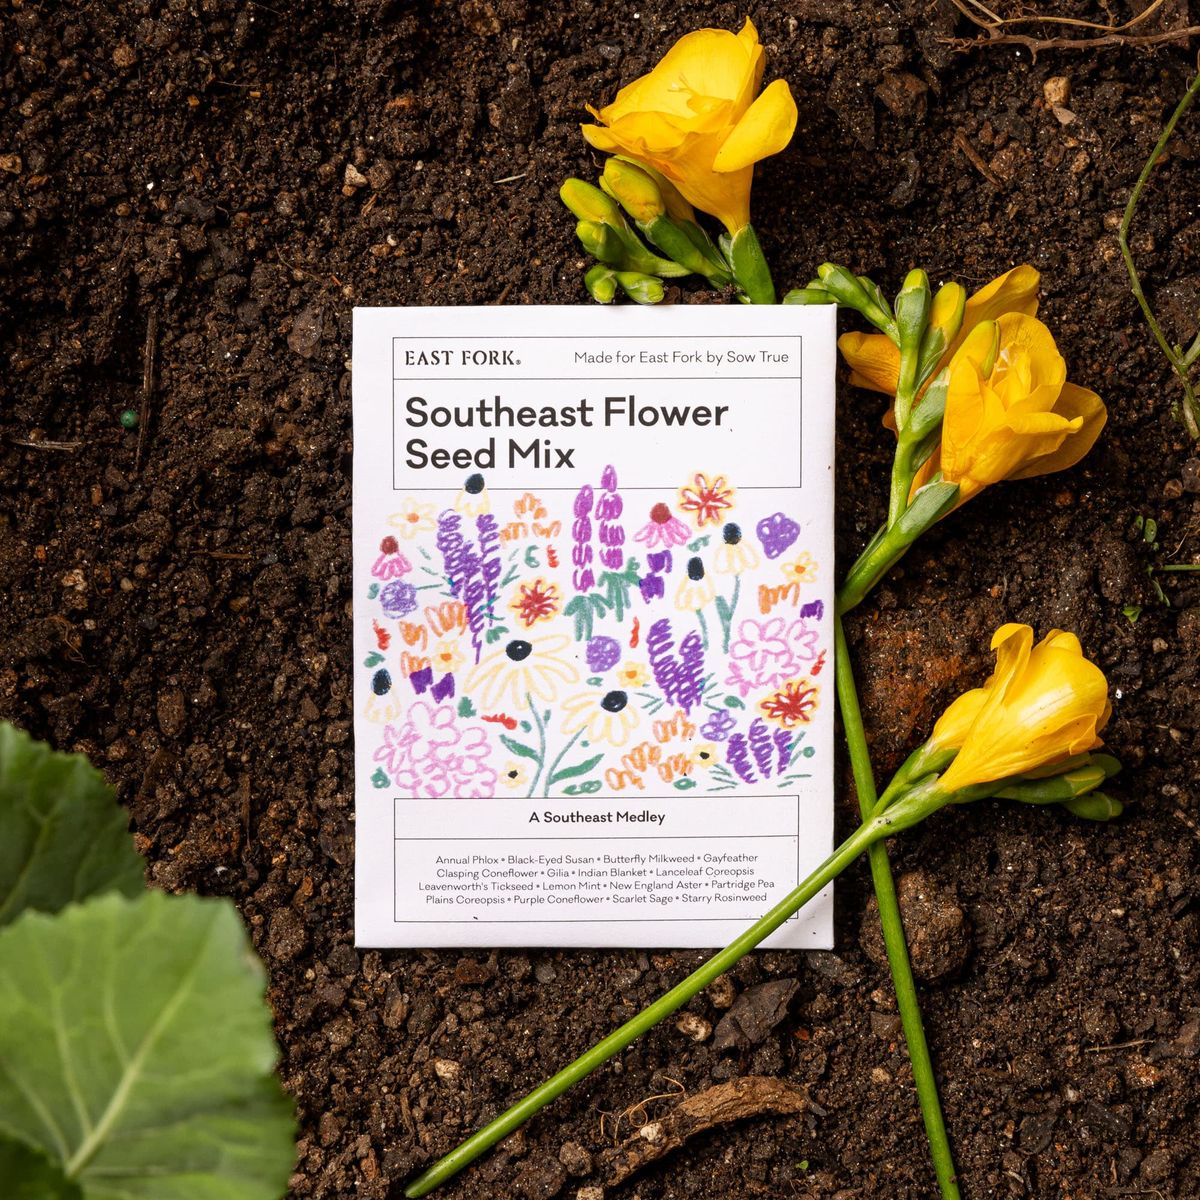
<point x="1043" y="705"/>
<point x="698" y="119"/>
<point x="633" y="188"/>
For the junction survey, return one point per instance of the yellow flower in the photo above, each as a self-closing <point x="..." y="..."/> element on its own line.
<point x="412" y="519"/>
<point x="874" y="359"/>
<point x="734" y="555"/>
<point x="696" y="119"/>
<point x="697" y="588"/>
<point x="515" y="774"/>
<point x="446" y="657"/>
<point x="605" y="716"/>
<point x="704" y="755"/>
<point x="633" y="675"/>
<point x="519" y="669"/>
<point x="473" y="500"/>
<point x="1010" y="412"/>
<point x="802" y="569"/>
<point x="1042" y="705"/>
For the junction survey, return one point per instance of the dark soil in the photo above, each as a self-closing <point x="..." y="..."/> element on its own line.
<point x="191" y="168"/>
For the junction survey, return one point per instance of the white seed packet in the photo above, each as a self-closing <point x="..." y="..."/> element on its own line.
<point x="593" y="623"/>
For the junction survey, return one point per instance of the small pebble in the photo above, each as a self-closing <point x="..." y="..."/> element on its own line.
<point x="1056" y="90"/>
<point x="575" y="1158"/>
<point x="694" y="1026"/>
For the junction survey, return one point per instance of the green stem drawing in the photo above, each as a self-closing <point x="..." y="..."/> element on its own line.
<point x="893" y="927"/>
<point x="561" y="755"/>
<point x="541" y="759"/>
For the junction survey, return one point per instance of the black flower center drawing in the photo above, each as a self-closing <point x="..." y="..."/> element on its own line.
<point x="518" y="650"/>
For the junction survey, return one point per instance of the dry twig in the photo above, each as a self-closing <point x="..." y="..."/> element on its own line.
<point x="751" y="1096"/>
<point x="996" y="26"/>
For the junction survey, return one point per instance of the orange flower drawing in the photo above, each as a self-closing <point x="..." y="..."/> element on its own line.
<point x="706" y="499"/>
<point x="794" y="703"/>
<point x="536" y="601"/>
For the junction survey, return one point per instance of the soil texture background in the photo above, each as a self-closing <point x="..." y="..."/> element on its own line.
<point x="213" y="184"/>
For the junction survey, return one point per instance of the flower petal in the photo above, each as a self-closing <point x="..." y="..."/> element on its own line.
<point x="1013" y="292"/>
<point x="765" y="128"/>
<point x="873" y="360"/>
<point x="1073" y="402"/>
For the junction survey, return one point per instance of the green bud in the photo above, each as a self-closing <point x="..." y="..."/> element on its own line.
<point x="633" y="189"/>
<point x="601" y="284"/>
<point x="589" y="203"/>
<point x="1095" y="806"/>
<point x="1058" y="788"/>
<point x="912" y="310"/>
<point x="677" y="206"/>
<point x="645" y="289"/>
<point x="602" y="242"/>
<point x="945" y="320"/>
<point x="808" y="296"/>
<point x="851" y="292"/>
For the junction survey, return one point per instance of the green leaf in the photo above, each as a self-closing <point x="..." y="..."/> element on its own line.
<point x="518" y="748"/>
<point x="136" y="1050"/>
<point x="63" y="837"/>
<point x="465" y="707"/>
<point x="28" y="1175"/>
<point x="583" y="789"/>
<point x="579" y="769"/>
<point x="372" y="660"/>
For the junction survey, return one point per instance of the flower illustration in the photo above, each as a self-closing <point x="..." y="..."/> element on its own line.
<point x="514" y="775"/>
<point x="398" y="599"/>
<point x="704" y="755"/>
<point x="605" y="716"/>
<point x="412" y="518"/>
<point x="446" y="658"/>
<point x="603" y="653"/>
<point x="735" y="554"/>
<point x="719" y="726"/>
<point x="390" y="564"/>
<point x="473" y="499"/>
<point x="662" y="529"/>
<point x="633" y="675"/>
<point x="776" y="533"/>
<point x="802" y="569"/>
<point x="706" y="499"/>
<point x="431" y="754"/>
<point x="536" y="601"/>
<point x="766" y="653"/>
<point x="518" y="668"/>
<point x="794" y="704"/>
<point x="696" y="589"/>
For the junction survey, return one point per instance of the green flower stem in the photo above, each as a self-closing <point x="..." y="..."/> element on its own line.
<point x="903" y="473"/>
<point x="750" y="270"/>
<point x="466" y="1153"/>
<point x="893" y="927"/>
<point x="872" y="565"/>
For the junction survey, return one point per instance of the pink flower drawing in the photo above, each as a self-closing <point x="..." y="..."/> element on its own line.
<point x="431" y="754"/>
<point x="390" y="564"/>
<point x="662" y="529"/>
<point x="769" y="652"/>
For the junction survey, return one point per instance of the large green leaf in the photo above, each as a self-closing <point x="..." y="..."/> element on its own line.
<point x="136" y="1050"/>
<point x="63" y="837"/>
<point x="28" y="1175"/>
